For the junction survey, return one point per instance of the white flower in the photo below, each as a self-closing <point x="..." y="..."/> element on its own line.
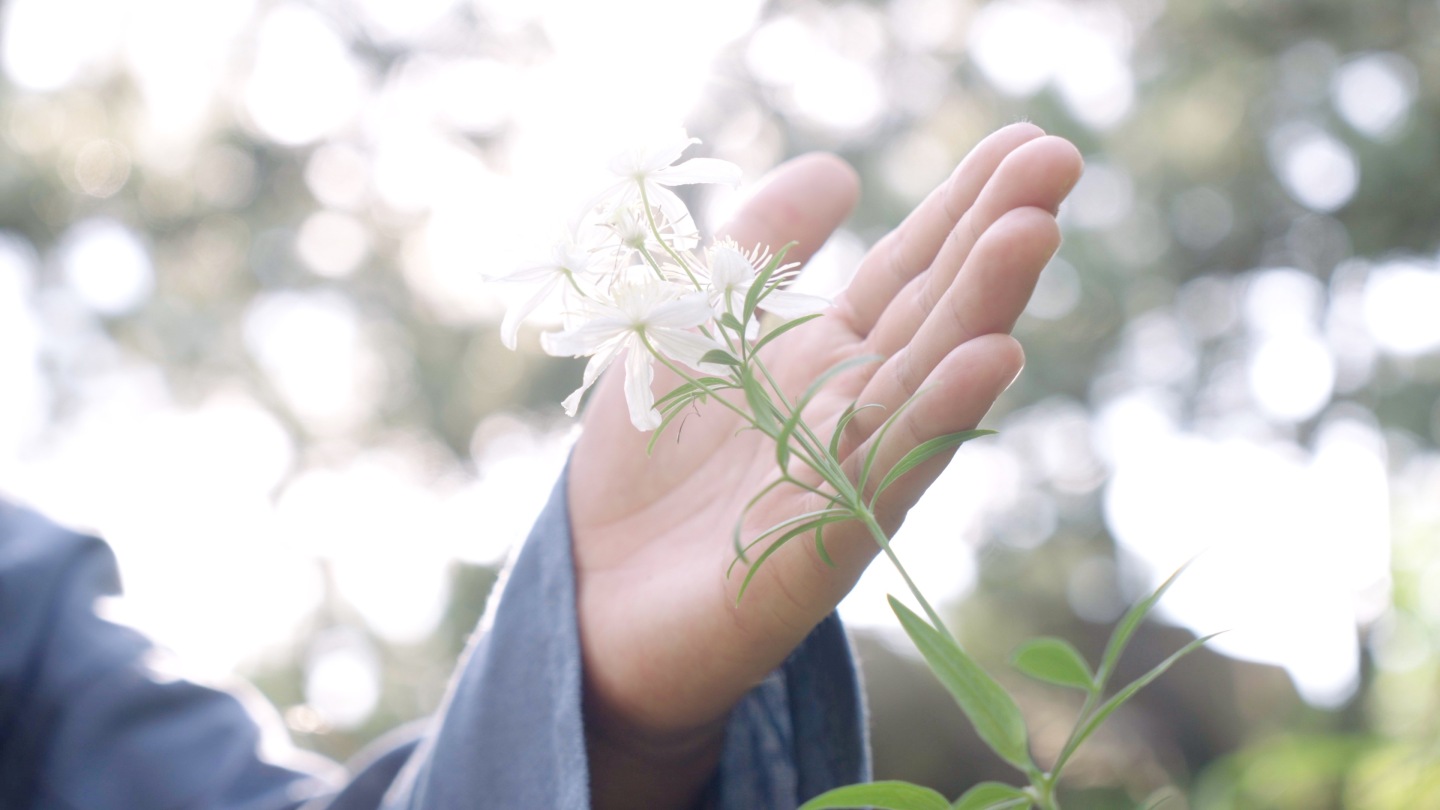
<point x="569" y="264"/>
<point x="639" y="312"/>
<point x="732" y="274"/>
<point x="630" y="231"/>
<point x="653" y="168"/>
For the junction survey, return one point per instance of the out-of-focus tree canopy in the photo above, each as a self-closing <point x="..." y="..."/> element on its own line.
<point x="244" y="329"/>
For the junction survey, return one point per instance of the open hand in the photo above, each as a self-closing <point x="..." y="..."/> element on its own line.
<point x="667" y="651"/>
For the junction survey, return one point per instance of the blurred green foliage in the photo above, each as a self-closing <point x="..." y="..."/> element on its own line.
<point x="1198" y="188"/>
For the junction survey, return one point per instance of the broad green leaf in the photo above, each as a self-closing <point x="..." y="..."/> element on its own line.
<point x="1119" y="699"/>
<point x="987" y="795"/>
<point x="1054" y="661"/>
<point x="924" y="452"/>
<point x="720" y="357"/>
<point x="782" y="329"/>
<point x="1160" y="798"/>
<point x="732" y="323"/>
<point x="880" y="795"/>
<point x="1131" y="622"/>
<point x="990" y="708"/>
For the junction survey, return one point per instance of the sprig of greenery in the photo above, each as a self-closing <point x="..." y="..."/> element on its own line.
<point x="993" y="711"/>
<point x="997" y="719"/>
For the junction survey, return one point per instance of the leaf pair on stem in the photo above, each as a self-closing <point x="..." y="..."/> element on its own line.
<point x="997" y="719"/>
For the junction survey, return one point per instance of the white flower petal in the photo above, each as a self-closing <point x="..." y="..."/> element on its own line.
<point x="699" y="170"/>
<point x="654" y="156"/>
<point x="539" y="271"/>
<point x="587" y="338"/>
<point x="690" y="310"/>
<point x="639" y="373"/>
<point x="687" y="347"/>
<point x="593" y="369"/>
<point x="673" y="209"/>
<point x="792" y="305"/>
<point x="615" y="195"/>
<point x="510" y="327"/>
<point x="728" y="266"/>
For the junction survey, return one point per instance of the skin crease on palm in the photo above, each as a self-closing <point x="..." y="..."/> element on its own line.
<point x="667" y="651"/>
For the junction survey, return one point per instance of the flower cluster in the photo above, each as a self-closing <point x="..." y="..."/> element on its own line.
<point x="634" y="283"/>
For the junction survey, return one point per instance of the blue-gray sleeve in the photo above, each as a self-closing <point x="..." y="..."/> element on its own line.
<point x="511" y="733"/>
<point x="84" y="724"/>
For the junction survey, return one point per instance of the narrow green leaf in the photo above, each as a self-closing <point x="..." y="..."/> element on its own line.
<point x="720" y="357"/>
<point x="828" y="513"/>
<point x="760" y="407"/>
<point x="1108" y="708"/>
<point x="782" y="329"/>
<point x="1054" y="660"/>
<point x="820" y="546"/>
<point x="988" y="706"/>
<point x="700" y="387"/>
<point x="762" y="279"/>
<point x="732" y="323"/>
<point x="757" y="288"/>
<point x="834" y="516"/>
<point x="924" y="452"/>
<point x="1131" y="622"/>
<point x="782" y="440"/>
<point x="880" y="795"/>
<point x="987" y="795"/>
<point x="839" y="432"/>
<point x="879" y="439"/>
<point x="678" y="407"/>
<point x="792" y="422"/>
<point x="740" y="521"/>
<point x="831" y="373"/>
<point x="683" y="389"/>
<point x="715" y="383"/>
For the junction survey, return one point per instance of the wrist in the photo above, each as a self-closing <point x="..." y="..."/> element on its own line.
<point x="634" y="768"/>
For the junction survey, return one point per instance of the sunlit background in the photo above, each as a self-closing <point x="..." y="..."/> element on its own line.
<point x="245" y="334"/>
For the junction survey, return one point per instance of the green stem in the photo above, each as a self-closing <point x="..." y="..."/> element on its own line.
<point x="655" y="229"/>
<point x="650" y="260"/>
<point x="799" y="423"/>
<point x="1073" y="742"/>
<point x="665" y="361"/>
<point x="868" y="518"/>
<point x="1044" y="793"/>
<point x="804" y="452"/>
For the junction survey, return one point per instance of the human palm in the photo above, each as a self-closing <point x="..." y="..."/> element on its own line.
<point x="667" y="650"/>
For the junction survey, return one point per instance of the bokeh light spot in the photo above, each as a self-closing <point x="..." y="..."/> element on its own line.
<point x="107" y="265"/>
<point x="1315" y="168"/>
<point x="1374" y="92"/>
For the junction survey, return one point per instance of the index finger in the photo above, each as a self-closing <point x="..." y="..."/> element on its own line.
<point x="907" y="251"/>
<point x="803" y="201"/>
